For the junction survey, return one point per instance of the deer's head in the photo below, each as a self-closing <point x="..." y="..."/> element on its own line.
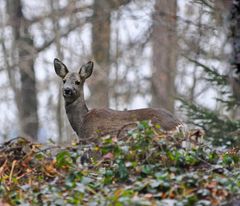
<point x="72" y="81"/>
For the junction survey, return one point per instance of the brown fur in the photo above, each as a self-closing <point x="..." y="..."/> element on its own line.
<point x="98" y="122"/>
<point x="91" y="124"/>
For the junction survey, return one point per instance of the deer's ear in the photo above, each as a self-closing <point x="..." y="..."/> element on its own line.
<point x="60" y="68"/>
<point x="86" y="70"/>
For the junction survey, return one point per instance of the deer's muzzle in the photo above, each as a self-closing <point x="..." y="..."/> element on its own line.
<point x="67" y="92"/>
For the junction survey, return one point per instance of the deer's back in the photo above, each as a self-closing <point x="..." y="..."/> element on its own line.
<point x="106" y="121"/>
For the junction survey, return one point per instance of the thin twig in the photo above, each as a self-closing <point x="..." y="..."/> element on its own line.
<point x="11" y="173"/>
<point x="123" y="127"/>
<point x="48" y="148"/>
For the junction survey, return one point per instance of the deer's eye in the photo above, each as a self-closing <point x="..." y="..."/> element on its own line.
<point x="64" y="81"/>
<point x="77" y="82"/>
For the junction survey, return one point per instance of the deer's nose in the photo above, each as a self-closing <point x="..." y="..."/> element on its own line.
<point x="67" y="91"/>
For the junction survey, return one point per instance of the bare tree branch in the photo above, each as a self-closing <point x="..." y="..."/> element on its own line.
<point x="60" y="13"/>
<point x="64" y="33"/>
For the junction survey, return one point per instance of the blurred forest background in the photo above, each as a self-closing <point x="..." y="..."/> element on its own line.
<point x="162" y="53"/>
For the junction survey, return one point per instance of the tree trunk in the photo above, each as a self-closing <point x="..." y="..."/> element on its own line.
<point x="100" y="48"/>
<point x="60" y="104"/>
<point x="235" y="40"/>
<point x="164" y="57"/>
<point x="25" y="51"/>
<point x="101" y="36"/>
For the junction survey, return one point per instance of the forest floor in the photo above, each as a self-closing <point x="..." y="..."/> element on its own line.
<point x="144" y="167"/>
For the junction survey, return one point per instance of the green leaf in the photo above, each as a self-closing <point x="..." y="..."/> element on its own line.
<point x="122" y="172"/>
<point x="63" y="159"/>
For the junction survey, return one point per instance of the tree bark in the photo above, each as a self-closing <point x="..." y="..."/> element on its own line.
<point x="101" y="36"/>
<point x="25" y="51"/>
<point x="164" y="57"/>
<point x="235" y="40"/>
<point x="60" y="103"/>
<point x="100" y="49"/>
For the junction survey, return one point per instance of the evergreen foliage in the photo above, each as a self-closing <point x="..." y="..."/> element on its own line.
<point x="220" y="129"/>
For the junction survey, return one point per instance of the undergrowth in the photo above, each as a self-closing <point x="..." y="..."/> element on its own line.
<point x="145" y="167"/>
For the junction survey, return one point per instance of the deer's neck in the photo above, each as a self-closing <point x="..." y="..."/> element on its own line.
<point x="76" y="112"/>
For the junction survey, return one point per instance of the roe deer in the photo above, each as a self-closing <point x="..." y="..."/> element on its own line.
<point x="96" y="122"/>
